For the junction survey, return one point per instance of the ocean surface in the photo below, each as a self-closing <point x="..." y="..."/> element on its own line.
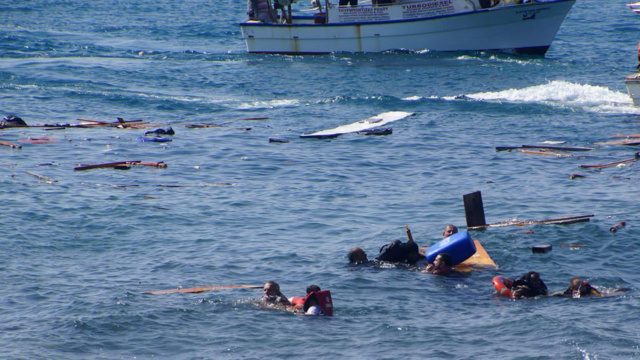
<point x="79" y="249"/>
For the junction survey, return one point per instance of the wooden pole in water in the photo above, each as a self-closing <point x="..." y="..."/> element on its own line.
<point x="474" y="209"/>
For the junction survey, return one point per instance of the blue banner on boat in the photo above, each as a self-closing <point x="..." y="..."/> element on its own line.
<point x="460" y="246"/>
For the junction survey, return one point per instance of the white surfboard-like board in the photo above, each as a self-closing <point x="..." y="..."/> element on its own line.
<point x="366" y="124"/>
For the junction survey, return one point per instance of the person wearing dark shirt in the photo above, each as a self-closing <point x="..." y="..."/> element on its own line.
<point x="529" y="285"/>
<point x="399" y="252"/>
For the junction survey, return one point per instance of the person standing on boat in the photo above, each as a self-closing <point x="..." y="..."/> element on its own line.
<point x="348" y="2"/>
<point x="260" y="10"/>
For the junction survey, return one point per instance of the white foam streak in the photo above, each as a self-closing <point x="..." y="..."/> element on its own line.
<point x="269" y="104"/>
<point x="566" y="95"/>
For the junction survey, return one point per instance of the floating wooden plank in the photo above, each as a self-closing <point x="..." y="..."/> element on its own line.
<point x="255" y="118"/>
<point x="42" y="140"/>
<point x="615" y="163"/>
<point x="42" y="177"/>
<point x="11" y="145"/>
<point x="536" y="152"/>
<point x="200" y="289"/>
<point x="625" y="142"/>
<point x="478" y="261"/>
<point x="200" y="126"/>
<point x="121" y="123"/>
<point x="544" y="147"/>
<point x="559" y="221"/>
<point x="366" y="124"/>
<point x="119" y="164"/>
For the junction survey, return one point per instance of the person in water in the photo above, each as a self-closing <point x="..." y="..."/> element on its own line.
<point x="579" y="288"/>
<point x="357" y="256"/>
<point x="272" y="296"/>
<point x="449" y="230"/>
<point x="441" y="265"/>
<point x="529" y="285"/>
<point x="311" y="306"/>
<point x="399" y="252"/>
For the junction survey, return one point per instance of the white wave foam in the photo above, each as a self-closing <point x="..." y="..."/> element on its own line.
<point x="269" y="104"/>
<point x="564" y="94"/>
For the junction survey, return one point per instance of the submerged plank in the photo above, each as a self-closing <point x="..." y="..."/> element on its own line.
<point x="200" y="289"/>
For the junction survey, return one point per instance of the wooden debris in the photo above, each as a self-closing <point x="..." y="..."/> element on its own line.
<point x="42" y="178"/>
<point x="616" y="163"/>
<point x="558" y="221"/>
<point x="42" y="140"/>
<point x="545" y="147"/>
<point x="200" y="126"/>
<point x="120" y="165"/>
<point x="544" y="152"/>
<point x="255" y="118"/>
<point x="11" y="145"/>
<point x="200" y="289"/>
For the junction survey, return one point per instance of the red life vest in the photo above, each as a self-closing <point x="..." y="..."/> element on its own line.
<point x="298" y="302"/>
<point x="325" y="303"/>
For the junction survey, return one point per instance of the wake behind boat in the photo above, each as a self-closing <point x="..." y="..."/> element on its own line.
<point x="520" y="26"/>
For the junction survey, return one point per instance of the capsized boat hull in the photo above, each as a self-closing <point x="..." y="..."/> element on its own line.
<point x="525" y="28"/>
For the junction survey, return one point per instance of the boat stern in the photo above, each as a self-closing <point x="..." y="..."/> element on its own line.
<point x="633" y="87"/>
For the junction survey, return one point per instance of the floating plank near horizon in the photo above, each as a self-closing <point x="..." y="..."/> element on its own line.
<point x="543" y="147"/>
<point x="119" y="164"/>
<point x="200" y="289"/>
<point x="544" y="152"/>
<point x="366" y="124"/>
<point x="10" y="144"/>
<point x="558" y="221"/>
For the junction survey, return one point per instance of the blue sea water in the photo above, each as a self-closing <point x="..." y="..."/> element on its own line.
<point x="79" y="252"/>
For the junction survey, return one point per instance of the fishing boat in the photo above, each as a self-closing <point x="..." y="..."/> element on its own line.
<point x="632" y="81"/>
<point x="516" y="26"/>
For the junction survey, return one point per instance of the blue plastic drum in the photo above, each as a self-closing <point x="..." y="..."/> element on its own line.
<point x="460" y="246"/>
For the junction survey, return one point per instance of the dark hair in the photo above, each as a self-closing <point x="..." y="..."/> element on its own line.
<point x="446" y="259"/>
<point x="355" y="255"/>
<point x="312" y="288"/>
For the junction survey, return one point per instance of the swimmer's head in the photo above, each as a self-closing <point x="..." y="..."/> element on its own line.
<point x="357" y="256"/>
<point x="449" y="230"/>
<point x="443" y="259"/>
<point x="271" y="289"/>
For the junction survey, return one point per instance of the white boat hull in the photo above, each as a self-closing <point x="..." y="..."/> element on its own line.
<point x="526" y="28"/>
<point x="633" y="88"/>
